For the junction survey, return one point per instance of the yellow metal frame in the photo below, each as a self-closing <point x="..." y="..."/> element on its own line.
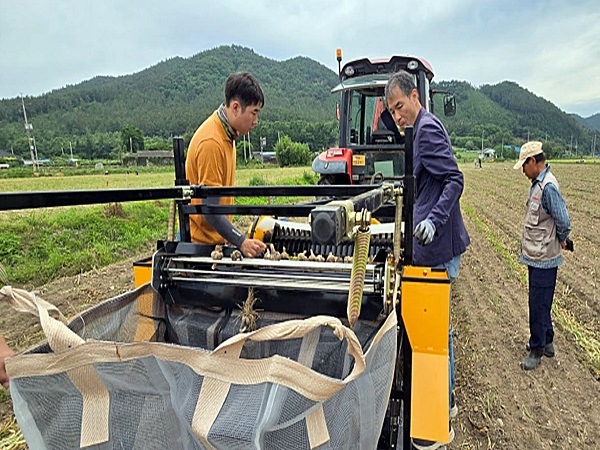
<point x="142" y="274"/>
<point x="426" y="314"/>
<point x="142" y="271"/>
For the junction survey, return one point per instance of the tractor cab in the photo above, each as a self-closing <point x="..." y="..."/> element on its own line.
<point x="371" y="147"/>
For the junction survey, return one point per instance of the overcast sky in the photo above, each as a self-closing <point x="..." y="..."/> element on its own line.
<point x="550" y="47"/>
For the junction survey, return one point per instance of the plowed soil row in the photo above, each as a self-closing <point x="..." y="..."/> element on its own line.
<point x="501" y="406"/>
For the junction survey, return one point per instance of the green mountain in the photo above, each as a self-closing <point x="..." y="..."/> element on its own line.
<point x="170" y="98"/>
<point x="534" y="114"/>
<point x="506" y="113"/>
<point x="592" y="122"/>
<point x="176" y="95"/>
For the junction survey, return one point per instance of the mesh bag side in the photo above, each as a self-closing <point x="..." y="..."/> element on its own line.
<point x="381" y="362"/>
<point x="141" y="411"/>
<point x="153" y="401"/>
<point x="235" y="425"/>
<point x="151" y="407"/>
<point x="48" y="410"/>
<point x="195" y="327"/>
<point x="115" y="319"/>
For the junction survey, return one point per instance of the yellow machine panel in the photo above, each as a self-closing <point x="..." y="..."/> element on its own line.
<point x="426" y="313"/>
<point x="142" y="271"/>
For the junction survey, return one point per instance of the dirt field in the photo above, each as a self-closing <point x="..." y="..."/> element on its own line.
<point x="501" y="406"/>
<point x="556" y="406"/>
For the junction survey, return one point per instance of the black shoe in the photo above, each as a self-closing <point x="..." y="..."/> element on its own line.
<point x="533" y="359"/>
<point x="548" y="350"/>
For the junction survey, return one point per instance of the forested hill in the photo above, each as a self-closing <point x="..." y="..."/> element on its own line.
<point x="508" y="113"/>
<point x="533" y="113"/>
<point x="176" y="95"/>
<point x="592" y="122"/>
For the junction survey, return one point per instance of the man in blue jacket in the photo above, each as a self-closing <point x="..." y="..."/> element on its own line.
<point x="440" y="236"/>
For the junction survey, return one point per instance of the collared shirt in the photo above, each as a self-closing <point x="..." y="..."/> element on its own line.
<point x="554" y="205"/>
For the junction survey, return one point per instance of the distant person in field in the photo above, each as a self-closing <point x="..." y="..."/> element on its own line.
<point x="545" y="232"/>
<point x="5" y="352"/>
<point x="440" y="236"/>
<point x="211" y="160"/>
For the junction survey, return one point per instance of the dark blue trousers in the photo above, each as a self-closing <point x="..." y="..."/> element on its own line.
<point x="541" y="293"/>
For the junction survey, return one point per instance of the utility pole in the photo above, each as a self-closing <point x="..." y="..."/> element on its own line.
<point x="29" y="131"/>
<point x="482" y="142"/>
<point x="571" y="144"/>
<point x="35" y="152"/>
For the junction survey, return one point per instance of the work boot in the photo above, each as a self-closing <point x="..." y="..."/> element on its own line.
<point x="423" y="444"/>
<point x="533" y="359"/>
<point x="548" y="350"/>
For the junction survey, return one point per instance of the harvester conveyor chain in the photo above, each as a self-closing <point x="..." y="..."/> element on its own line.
<point x="297" y="241"/>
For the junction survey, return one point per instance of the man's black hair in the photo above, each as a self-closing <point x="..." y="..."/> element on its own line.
<point x="402" y="79"/>
<point x="243" y="87"/>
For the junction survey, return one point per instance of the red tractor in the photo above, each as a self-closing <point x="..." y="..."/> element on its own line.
<point x="370" y="144"/>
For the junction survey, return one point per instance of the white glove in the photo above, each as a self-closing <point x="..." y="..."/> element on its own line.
<point x="424" y="232"/>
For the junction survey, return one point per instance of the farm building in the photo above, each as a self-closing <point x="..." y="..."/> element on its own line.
<point x="153" y="157"/>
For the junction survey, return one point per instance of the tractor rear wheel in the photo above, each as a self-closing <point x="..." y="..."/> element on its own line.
<point x="330" y="180"/>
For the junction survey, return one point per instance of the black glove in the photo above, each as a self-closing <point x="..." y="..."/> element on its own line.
<point x="569" y="244"/>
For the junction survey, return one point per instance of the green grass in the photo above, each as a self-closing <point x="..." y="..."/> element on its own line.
<point x="166" y="178"/>
<point x="38" y="246"/>
<point x="44" y="245"/>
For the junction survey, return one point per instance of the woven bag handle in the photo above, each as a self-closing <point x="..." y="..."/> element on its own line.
<point x="294" y="329"/>
<point x="59" y="336"/>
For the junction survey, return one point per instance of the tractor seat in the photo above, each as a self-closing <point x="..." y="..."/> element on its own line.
<point x="386" y="125"/>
